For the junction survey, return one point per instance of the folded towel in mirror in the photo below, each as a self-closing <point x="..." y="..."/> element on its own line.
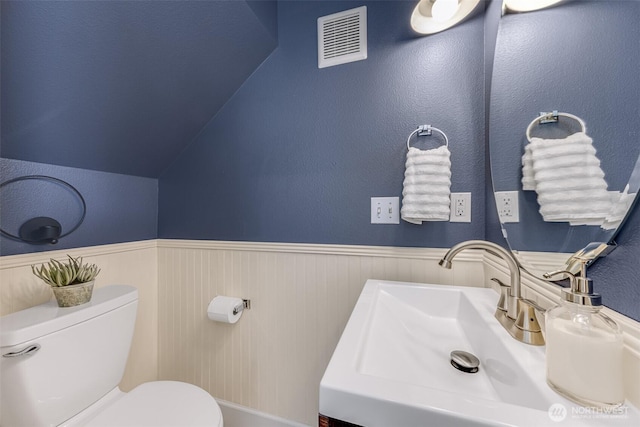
<point x="565" y="173"/>
<point x="426" y="187"/>
<point x="621" y="204"/>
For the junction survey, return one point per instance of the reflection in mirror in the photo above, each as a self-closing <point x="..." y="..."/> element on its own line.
<point x="579" y="59"/>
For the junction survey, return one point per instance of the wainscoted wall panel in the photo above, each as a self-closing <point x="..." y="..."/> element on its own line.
<point x="273" y="359"/>
<point x="125" y="263"/>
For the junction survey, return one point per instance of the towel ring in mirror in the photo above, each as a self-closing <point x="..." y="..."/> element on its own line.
<point x="552" y="117"/>
<point x="43" y="229"/>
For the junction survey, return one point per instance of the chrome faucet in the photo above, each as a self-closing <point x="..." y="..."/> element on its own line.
<point x="514" y="313"/>
<point x="514" y="269"/>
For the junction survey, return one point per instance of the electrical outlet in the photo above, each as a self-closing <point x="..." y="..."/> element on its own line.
<point x="384" y="210"/>
<point x="460" y="207"/>
<point x="507" y="204"/>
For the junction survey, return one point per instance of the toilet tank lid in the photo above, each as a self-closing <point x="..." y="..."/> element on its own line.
<point x="44" y="319"/>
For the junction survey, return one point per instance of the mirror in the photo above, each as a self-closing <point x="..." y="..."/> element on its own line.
<point x="580" y="58"/>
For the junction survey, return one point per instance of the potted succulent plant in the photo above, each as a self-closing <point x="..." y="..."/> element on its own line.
<point x="71" y="281"/>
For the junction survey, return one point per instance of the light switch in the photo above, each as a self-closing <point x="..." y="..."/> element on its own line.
<point x="384" y="210"/>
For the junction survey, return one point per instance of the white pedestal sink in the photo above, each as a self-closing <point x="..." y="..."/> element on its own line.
<point x="392" y="365"/>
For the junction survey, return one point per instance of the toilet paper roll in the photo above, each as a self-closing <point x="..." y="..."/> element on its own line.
<point x="221" y="309"/>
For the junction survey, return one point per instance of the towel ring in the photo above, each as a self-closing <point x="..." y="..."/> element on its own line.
<point x="425" y="130"/>
<point x="552" y="117"/>
<point x="41" y="230"/>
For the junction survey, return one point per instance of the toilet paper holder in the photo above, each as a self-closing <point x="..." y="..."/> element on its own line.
<point x="246" y="303"/>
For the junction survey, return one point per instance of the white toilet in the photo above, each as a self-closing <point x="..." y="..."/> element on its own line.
<point x="62" y="367"/>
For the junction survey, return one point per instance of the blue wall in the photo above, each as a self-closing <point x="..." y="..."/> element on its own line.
<point x="297" y="153"/>
<point x="122" y="86"/>
<point x="120" y="208"/>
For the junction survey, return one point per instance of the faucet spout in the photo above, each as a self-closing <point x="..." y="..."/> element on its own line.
<point x="519" y="319"/>
<point x="512" y="263"/>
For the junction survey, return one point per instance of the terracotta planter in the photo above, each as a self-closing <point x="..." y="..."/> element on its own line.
<point x="72" y="295"/>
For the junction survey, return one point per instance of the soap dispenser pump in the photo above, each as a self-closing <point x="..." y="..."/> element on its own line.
<point x="584" y="346"/>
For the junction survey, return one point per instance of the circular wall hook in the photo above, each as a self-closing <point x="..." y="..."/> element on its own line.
<point x="43" y="229"/>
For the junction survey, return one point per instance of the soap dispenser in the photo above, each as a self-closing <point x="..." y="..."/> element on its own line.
<point x="584" y="346"/>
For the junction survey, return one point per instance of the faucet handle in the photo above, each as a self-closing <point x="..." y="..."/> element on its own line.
<point x="535" y="305"/>
<point x="567" y="274"/>
<point x="504" y="293"/>
<point x="500" y="282"/>
<point x="527" y="327"/>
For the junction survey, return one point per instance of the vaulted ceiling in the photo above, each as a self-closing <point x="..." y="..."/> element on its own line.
<point x="122" y="86"/>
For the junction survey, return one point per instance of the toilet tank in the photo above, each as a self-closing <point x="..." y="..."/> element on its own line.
<point x="71" y="357"/>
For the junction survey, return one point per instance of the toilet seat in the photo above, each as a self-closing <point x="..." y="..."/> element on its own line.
<point x="161" y="404"/>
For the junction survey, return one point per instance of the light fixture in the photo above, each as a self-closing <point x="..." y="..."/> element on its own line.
<point x="443" y="10"/>
<point x="433" y="16"/>
<point x="527" y="5"/>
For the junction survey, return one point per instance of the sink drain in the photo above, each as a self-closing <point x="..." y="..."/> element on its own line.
<point x="464" y="361"/>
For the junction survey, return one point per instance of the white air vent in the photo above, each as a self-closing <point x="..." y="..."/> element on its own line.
<point x="342" y="37"/>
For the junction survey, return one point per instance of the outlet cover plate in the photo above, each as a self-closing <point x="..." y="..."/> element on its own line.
<point x="507" y="204"/>
<point x="460" y="207"/>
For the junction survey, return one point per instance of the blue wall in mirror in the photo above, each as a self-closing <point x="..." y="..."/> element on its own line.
<point x="588" y="69"/>
<point x="581" y="58"/>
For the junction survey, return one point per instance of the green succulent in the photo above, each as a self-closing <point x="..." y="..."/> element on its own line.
<point x="74" y="271"/>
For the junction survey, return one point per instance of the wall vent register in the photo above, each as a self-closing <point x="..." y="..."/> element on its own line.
<point x="342" y="37"/>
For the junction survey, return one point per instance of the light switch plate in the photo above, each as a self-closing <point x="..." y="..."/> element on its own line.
<point x="384" y="210"/>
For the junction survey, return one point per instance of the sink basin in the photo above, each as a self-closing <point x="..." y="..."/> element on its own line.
<point x="413" y="329"/>
<point x="392" y="366"/>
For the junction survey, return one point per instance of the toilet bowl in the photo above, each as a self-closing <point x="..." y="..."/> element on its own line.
<point x="152" y="404"/>
<point x="62" y="367"/>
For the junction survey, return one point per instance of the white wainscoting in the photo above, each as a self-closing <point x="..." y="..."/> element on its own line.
<point x="272" y="360"/>
<point x="241" y="416"/>
<point x="301" y="296"/>
<point x="124" y="263"/>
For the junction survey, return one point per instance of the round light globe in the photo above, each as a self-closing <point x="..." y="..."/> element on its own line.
<point x="443" y="10"/>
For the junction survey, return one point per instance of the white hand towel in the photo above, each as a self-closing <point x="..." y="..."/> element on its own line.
<point x="566" y="173"/>
<point x="585" y="171"/>
<point x="426" y="187"/>
<point x="556" y="158"/>
<point x="528" y="183"/>
<point x="622" y="202"/>
<point x="571" y="184"/>
<point x="573" y="145"/>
